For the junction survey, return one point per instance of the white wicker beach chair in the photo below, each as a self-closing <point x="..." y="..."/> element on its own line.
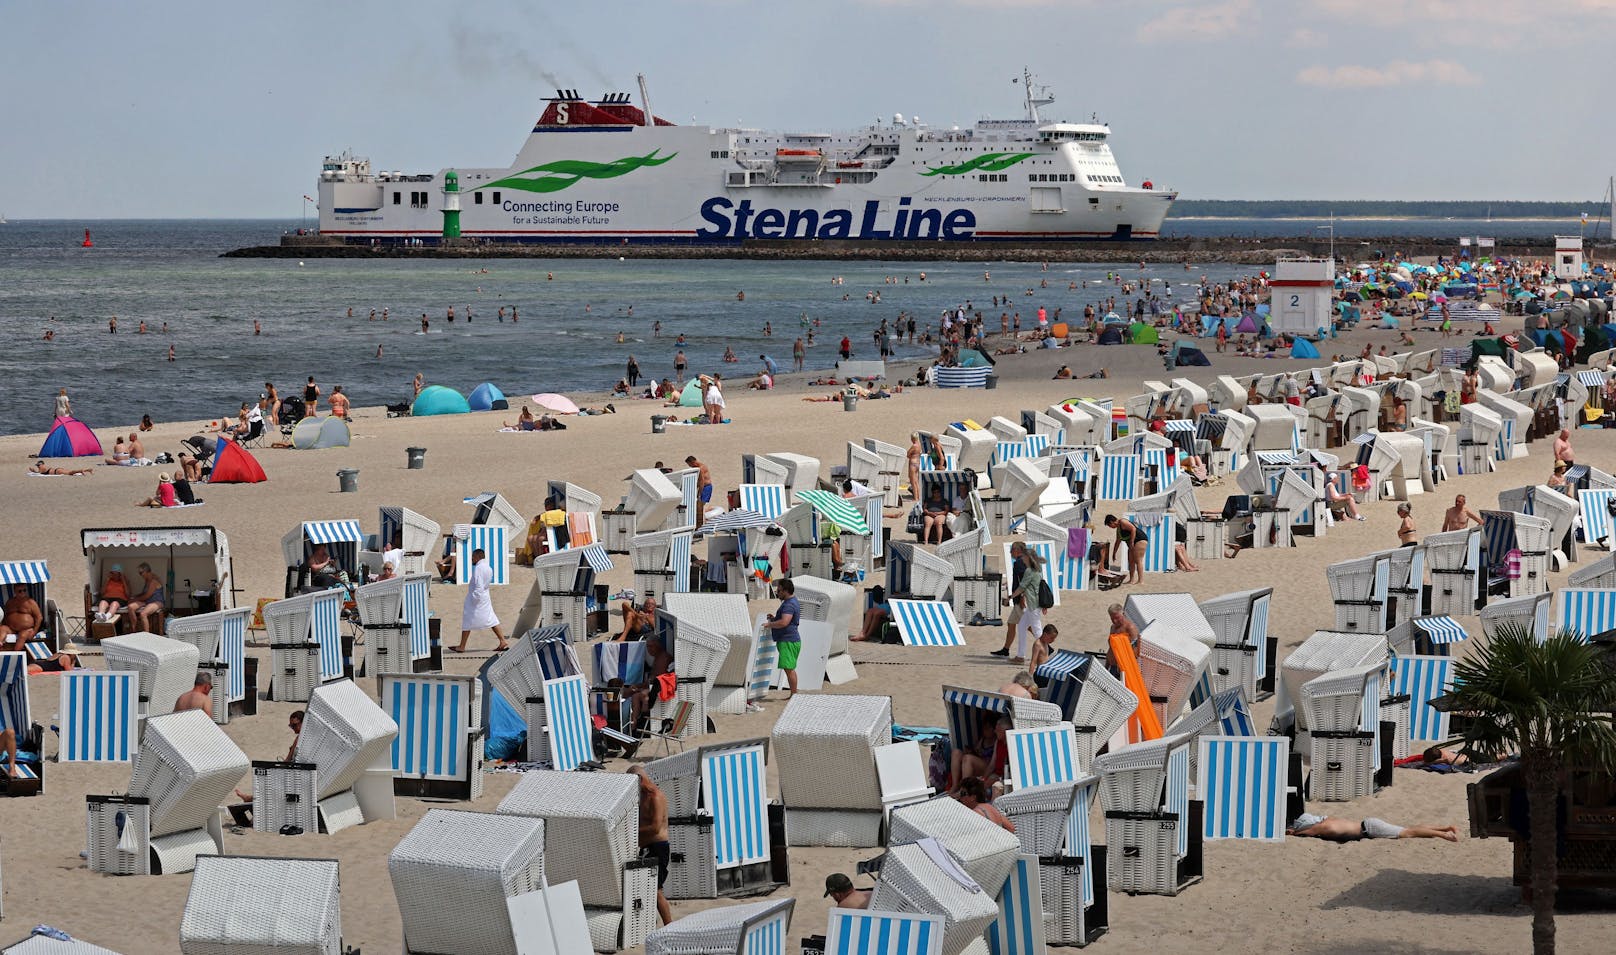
<point x="834" y="603"/>
<point x="1530" y="611"/>
<point x="491" y="508"/>
<point x="1359" y="588"/>
<point x="752" y="928"/>
<point x="220" y="639"/>
<point x="913" y="880"/>
<point x="1243" y="654"/>
<point x="1173" y="664"/>
<point x="167" y="667"/>
<point x="42" y="944"/>
<point x="724" y="616"/>
<point x="452" y="874"/>
<point x="242" y="904"/>
<point x="1323" y="651"/>
<point x="185" y="768"/>
<point x="863" y="932"/>
<point x="345" y="736"/>
<point x="591" y="836"/>
<point x="984" y="850"/>
<point x="1179" y="609"/>
<point x="1153" y="829"/>
<point x="305" y="643"/>
<point x="1343" y="712"/>
<point x="824" y="748"/>
<point x="397" y="623"/>
<point x="1457" y="573"/>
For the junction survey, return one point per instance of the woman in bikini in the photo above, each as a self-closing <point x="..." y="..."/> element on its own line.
<point x="40" y="467"/>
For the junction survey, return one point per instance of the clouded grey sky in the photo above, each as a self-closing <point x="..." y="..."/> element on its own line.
<point x="184" y="109"/>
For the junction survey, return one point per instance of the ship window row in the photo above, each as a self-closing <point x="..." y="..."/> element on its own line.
<point x="992" y="177"/>
<point x="719" y="154"/>
<point x="418" y="200"/>
<point x="479" y="198"/>
<point x="1052" y="177"/>
<point x="1115" y="179"/>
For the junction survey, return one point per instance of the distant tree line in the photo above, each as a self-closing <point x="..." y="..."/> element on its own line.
<point x="1322" y="209"/>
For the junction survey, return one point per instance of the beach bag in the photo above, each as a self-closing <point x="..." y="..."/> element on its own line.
<point x="1046" y="597"/>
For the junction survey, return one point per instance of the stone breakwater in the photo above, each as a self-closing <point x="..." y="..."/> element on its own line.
<point x="1193" y="250"/>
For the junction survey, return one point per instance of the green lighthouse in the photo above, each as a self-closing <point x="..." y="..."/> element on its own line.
<point x="451" y="205"/>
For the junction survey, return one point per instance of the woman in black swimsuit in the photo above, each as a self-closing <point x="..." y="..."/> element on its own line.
<point x="1131" y="540"/>
<point x="311" y="398"/>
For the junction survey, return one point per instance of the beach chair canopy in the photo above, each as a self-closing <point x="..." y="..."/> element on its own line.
<point x="70" y="438"/>
<point x="200" y="553"/>
<point x="436" y="400"/>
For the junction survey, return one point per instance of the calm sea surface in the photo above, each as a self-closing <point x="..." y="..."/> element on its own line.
<point x="170" y="271"/>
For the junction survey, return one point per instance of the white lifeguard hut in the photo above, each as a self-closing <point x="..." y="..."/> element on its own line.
<point x="1301" y="296"/>
<point x="1568" y="257"/>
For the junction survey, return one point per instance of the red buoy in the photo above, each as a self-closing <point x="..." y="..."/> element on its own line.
<point x="87" y="243"/>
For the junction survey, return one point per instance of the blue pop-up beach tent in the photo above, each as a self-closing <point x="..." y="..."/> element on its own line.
<point x="487" y="397"/>
<point x="437" y="399"/>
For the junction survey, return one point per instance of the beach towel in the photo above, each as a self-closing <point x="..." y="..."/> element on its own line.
<point x="581" y="528"/>
<point x="1077" y="542"/>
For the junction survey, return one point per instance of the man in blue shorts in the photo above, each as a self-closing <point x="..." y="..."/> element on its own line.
<point x="704" y="479"/>
<point x="786" y="636"/>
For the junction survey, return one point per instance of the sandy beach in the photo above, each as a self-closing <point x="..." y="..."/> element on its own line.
<point x="1305" y="895"/>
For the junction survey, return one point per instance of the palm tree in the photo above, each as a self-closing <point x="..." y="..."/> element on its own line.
<point x="1550" y="703"/>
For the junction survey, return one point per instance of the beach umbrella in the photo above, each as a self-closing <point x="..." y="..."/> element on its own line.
<point x="551" y="401"/>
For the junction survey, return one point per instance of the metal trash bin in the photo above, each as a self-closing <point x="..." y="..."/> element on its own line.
<point x="991" y="382"/>
<point x="850" y="401"/>
<point x="348" y="480"/>
<point x="659" y="424"/>
<point x="417" y="458"/>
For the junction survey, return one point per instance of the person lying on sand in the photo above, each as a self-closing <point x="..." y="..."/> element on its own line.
<point x="40" y="467"/>
<point x="1337" y="829"/>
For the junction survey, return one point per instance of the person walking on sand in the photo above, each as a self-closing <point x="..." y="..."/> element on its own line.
<point x="1407" y="533"/>
<point x="478" y="611"/>
<point x="633" y="372"/>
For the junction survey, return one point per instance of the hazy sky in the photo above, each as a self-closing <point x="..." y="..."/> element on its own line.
<point x="181" y="109"/>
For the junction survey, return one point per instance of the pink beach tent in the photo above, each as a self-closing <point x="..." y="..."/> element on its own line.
<point x="70" y="438"/>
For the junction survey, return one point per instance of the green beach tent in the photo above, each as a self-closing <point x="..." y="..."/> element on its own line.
<point x="437" y="399"/>
<point x="690" y="397"/>
<point x="1141" y="334"/>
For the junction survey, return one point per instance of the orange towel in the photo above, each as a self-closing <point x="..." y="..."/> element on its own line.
<point x="580" y="528"/>
<point x="1144" y="724"/>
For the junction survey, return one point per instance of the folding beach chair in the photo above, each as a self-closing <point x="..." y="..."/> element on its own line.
<point x="167" y="668"/>
<point x="913" y="880"/>
<point x="99" y="716"/>
<point x="185" y="768"/>
<point x="305" y="643"/>
<point x="220" y="638"/>
<point x="453" y="873"/>
<point x="752" y="928"/>
<point x="1153" y="828"/>
<point x="825" y="755"/>
<point x="863" y="932"/>
<point x="345" y="737"/>
<point x="257" y="903"/>
<point x="591" y="837"/>
<point x="437" y="752"/>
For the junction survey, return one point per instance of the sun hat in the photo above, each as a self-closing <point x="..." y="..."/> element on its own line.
<point x="165" y="478"/>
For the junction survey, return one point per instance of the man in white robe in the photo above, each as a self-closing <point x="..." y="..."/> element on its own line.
<point x="478" y="611"/>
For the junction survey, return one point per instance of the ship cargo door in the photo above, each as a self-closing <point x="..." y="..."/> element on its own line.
<point x="1046" y="199"/>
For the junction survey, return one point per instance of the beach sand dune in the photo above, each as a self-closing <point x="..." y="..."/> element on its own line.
<point x="1304" y="896"/>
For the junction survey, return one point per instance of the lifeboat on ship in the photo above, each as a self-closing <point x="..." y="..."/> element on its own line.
<point x="851" y="164"/>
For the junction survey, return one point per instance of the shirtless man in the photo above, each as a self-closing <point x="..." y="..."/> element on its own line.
<point x="1337" y="829"/>
<point x="137" y="450"/>
<point x="704" y="479"/>
<point x="1459" y="516"/>
<point x="1121" y="624"/>
<point x="198" y="697"/>
<point x="1022" y="686"/>
<point x="1562" y="448"/>
<point x="22" y="619"/>
<point x="839" y="889"/>
<point x="914" y="464"/>
<point x="638" y="622"/>
<point x="654" y="835"/>
<point x="973" y="795"/>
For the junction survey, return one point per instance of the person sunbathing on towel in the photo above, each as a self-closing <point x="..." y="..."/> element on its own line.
<point x="40" y="467"/>
<point x="1337" y="829"/>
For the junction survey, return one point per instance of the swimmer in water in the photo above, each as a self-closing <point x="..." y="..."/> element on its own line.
<point x="619" y="338"/>
<point x="258" y="329"/>
<point x="424" y="323"/>
<point x="378" y="351"/>
<point x="171" y="353"/>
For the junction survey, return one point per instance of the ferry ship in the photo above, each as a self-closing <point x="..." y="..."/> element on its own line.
<point x="611" y="171"/>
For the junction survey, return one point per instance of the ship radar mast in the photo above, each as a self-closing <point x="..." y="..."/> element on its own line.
<point x="1037" y="95"/>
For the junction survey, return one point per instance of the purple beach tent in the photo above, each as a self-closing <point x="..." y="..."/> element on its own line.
<point x="70" y="438"/>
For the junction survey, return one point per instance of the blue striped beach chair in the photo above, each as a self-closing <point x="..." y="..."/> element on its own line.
<point x="1242" y="786"/>
<point x="1155" y="462"/>
<point x="99" y="716"/>
<point x="1596" y="521"/>
<point x="221" y="637"/>
<point x="490" y="538"/>
<point x="624" y="662"/>
<point x="570" y="729"/>
<point x="1119" y="477"/>
<point x="295" y="622"/>
<point x="1043" y="756"/>
<point x="1434" y="635"/>
<point x="1422" y="679"/>
<point x="35" y="575"/>
<point x="1050" y="555"/>
<point x="342" y="539"/>
<point x="734" y="791"/>
<point x="1588" y="612"/>
<point x="766" y="499"/>
<point x="862" y="932"/>
<point x="325" y="628"/>
<point x="926" y="623"/>
<point x="439" y="719"/>
<point x="16" y="714"/>
<point x="1019" y="929"/>
<point x="1159" y="543"/>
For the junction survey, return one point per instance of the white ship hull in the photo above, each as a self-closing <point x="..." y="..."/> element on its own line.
<point x="582" y="179"/>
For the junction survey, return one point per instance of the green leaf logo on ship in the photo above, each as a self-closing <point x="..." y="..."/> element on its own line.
<point x="987" y="162"/>
<point x="558" y="175"/>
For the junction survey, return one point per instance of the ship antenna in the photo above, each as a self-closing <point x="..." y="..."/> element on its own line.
<point x="645" y="100"/>
<point x="1042" y="98"/>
